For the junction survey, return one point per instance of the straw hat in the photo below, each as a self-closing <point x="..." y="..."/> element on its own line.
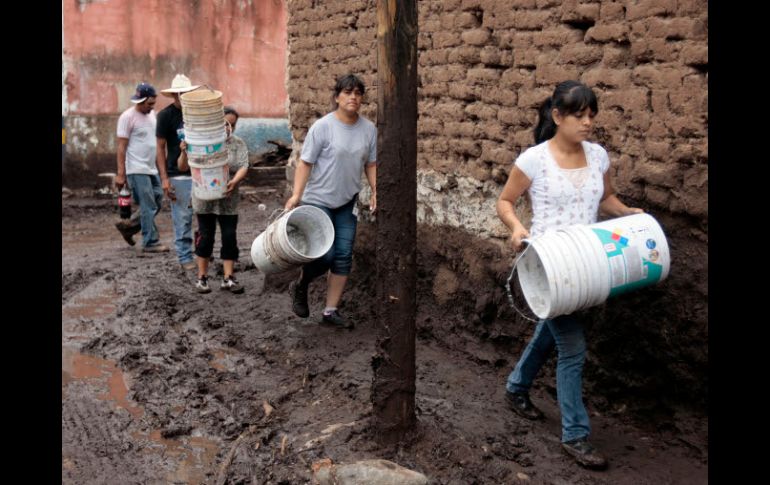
<point x="180" y="84"/>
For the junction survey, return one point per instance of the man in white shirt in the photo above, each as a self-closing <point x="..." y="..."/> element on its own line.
<point x="136" y="162"/>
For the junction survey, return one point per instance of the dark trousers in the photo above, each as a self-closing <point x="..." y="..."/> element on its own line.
<point x="207" y="225"/>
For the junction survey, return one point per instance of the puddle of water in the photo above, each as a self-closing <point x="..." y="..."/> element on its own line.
<point x="101" y="372"/>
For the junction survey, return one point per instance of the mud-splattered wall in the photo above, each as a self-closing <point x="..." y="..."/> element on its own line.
<point x="484" y="67"/>
<point x="236" y="46"/>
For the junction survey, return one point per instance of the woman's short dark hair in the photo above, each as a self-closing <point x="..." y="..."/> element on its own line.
<point x="569" y="97"/>
<point x="349" y="81"/>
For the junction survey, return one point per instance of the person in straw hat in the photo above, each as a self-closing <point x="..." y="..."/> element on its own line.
<point x="176" y="183"/>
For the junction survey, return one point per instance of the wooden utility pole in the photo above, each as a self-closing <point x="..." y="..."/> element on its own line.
<point x="394" y="365"/>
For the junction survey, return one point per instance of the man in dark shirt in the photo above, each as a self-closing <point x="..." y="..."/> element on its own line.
<point x="177" y="185"/>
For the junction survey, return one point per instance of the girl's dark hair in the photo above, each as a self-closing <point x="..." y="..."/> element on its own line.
<point x="569" y="97"/>
<point x="349" y="81"/>
<point x="230" y="110"/>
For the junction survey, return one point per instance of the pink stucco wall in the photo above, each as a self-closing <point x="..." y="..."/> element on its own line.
<point x="236" y="46"/>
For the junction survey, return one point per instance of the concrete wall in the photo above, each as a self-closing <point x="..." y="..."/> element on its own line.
<point x="109" y="46"/>
<point x="485" y="66"/>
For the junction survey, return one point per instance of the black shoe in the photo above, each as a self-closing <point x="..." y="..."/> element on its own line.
<point x="127" y="230"/>
<point x="299" y="299"/>
<point x="334" y="318"/>
<point x="519" y="402"/>
<point x="584" y="454"/>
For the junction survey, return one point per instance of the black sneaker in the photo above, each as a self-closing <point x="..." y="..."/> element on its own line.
<point x="584" y="454"/>
<point x="519" y="402"/>
<point x="127" y="230"/>
<point x="299" y="299"/>
<point x="230" y="284"/>
<point x="334" y="318"/>
<point x="202" y="285"/>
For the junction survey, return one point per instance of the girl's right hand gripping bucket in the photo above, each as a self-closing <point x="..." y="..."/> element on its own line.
<point x="299" y="236"/>
<point x="580" y="266"/>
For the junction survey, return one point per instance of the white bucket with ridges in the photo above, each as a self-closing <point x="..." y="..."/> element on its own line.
<point x="204" y="120"/>
<point x="210" y="174"/>
<point x="299" y="236"/>
<point x="580" y="266"/>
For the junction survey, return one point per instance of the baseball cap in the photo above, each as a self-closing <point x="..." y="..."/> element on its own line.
<point x="143" y="91"/>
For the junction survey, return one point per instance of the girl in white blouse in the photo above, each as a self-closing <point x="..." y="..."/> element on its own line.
<point x="568" y="181"/>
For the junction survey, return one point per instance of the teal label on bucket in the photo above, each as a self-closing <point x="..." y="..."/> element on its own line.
<point x="631" y="266"/>
<point x="204" y="149"/>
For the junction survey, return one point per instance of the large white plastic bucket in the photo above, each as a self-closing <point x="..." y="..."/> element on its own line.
<point x="210" y="175"/>
<point x="299" y="236"/>
<point x="580" y="266"/>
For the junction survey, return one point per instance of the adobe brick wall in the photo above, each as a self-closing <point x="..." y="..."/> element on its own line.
<point x="485" y="66"/>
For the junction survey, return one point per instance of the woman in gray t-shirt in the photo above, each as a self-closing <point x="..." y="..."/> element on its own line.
<point x="338" y="148"/>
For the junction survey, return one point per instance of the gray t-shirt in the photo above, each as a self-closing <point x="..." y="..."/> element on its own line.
<point x="338" y="152"/>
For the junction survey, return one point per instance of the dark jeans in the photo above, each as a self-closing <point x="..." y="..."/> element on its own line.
<point x="339" y="259"/>
<point x="207" y="225"/>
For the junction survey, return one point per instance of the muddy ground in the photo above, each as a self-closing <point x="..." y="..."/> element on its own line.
<point x="162" y="385"/>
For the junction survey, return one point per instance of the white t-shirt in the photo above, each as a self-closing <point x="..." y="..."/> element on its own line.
<point x="139" y="128"/>
<point x="563" y="197"/>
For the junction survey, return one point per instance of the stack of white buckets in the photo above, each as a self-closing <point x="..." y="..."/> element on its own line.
<point x="204" y="128"/>
<point x="295" y="238"/>
<point x="580" y="266"/>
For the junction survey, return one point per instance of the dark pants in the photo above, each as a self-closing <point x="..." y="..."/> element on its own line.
<point x="207" y="225"/>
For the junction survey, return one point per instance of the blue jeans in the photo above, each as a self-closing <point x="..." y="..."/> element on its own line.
<point x="148" y="193"/>
<point x="182" y="216"/>
<point x="339" y="259"/>
<point x="566" y="334"/>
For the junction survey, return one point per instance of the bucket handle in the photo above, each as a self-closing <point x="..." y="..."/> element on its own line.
<point x="280" y="211"/>
<point x="527" y="243"/>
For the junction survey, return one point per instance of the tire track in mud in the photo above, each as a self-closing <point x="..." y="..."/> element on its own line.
<point x="93" y="434"/>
